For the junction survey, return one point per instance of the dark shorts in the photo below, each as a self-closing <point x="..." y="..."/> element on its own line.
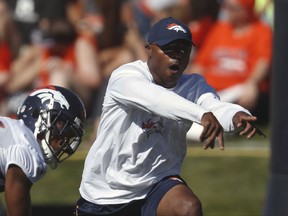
<point x="144" y="207"/>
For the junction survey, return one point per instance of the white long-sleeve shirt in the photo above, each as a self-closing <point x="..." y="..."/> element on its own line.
<point x="142" y="133"/>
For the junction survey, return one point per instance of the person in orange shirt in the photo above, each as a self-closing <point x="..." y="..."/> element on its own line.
<point x="236" y="56"/>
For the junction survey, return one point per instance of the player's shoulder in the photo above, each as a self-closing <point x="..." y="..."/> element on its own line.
<point x="133" y="69"/>
<point x="135" y="65"/>
<point x="21" y="148"/>
<point x="7" y="123"/>
<point x="192" y="86"/>
<point x="191" y="79"/>
<point x="29" y="158"/>
<point x="14" y="131"/>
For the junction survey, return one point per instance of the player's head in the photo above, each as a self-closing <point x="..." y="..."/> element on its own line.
<point x="169" y="44"/>
<point x="56" y="116"/>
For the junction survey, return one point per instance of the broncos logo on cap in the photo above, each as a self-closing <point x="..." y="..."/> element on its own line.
<point x="53" y="96"/>
<point x="176" y="27"/>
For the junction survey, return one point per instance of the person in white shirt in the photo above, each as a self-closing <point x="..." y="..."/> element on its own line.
<point x="48" y="129"/>
<point x="133" y="167"/>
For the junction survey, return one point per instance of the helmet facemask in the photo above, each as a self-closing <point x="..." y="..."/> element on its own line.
<point x="59" y="136"/>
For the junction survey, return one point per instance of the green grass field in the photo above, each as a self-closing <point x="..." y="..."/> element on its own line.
<point x="232" y="182"/>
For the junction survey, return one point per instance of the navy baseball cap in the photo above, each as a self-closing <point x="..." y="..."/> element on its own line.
<point x="168" y="30"/>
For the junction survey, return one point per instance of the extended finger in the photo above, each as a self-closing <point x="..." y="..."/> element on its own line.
<point x="208" y="131"/>
<point x="209" y="142"/>
<point x="246" y="129"/>
<point x="244" y="119"/>
<point x="204" y="133"/>
<point x="221" y="140"/>
<point x="251" y="133"/>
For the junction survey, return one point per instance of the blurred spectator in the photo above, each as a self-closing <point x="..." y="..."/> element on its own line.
<point x="46" y="62"/>
<point x="236" y="56"/>
<point x="118" y="41"/>
<point x="203" y="15"/>
<point x="8" y="48"/>
<point x="28" y="13"/>
<point x="63" y="58"/>
<point x="91" y="19"/>
<point x="145" y="11"/>
<point x="88" y="78"/>
<point x="5" y="53"/>
<point x="26" y="17"/>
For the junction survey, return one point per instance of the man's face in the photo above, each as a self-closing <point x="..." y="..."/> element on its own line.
<point x="167" y="63"/>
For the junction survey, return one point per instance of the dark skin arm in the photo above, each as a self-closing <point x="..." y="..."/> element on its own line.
<point x="17" y="192"/>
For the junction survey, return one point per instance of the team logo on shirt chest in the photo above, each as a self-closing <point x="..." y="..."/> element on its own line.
<point x="153" y="125"/>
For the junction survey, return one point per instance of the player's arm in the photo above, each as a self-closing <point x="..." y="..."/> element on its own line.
<point x="232" y="117"/>
<point x="137" y="92"/>
<point x="134" y="91"/>
<point x="17" y="192"/>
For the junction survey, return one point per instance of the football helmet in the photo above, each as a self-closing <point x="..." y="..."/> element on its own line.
<point x="55" y="115"/>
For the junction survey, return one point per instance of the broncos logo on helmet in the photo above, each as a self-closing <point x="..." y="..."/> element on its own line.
<point x="53" y="96"/>
<point x="176" y="27"/>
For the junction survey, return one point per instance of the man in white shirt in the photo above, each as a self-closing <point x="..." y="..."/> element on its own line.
<point x="48" y="130"/>
<point x="133" y="167"/>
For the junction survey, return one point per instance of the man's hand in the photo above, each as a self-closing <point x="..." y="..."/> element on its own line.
<point x="245" y="123"/>
<point x="212" y="130"/>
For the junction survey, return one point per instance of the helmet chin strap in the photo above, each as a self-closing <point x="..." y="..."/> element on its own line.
<point x="48" y="154"/>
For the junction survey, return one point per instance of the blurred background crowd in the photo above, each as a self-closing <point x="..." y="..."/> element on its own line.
<point x="78" y="43"/>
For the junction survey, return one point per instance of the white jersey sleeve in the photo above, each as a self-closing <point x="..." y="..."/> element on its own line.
<point x="223" y="111"/>
<point x="18" y="146"/>
<point x="195" y="88"/>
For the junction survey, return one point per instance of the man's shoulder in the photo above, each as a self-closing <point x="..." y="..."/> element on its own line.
<point x="138" y="64"/>
<point x="9" y="128"/>
<point x="192" y="86"/>
<point x="191" y="78"/>
<point x="136" y="68"/>
<point x="15" y="132"/>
